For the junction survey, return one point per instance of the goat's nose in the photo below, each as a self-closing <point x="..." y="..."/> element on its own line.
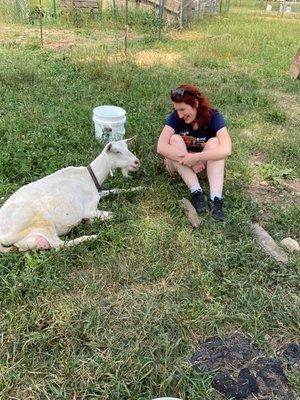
<point x="137" y="162"/>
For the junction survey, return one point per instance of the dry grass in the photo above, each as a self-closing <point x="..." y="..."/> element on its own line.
<point x="150" y="58"/>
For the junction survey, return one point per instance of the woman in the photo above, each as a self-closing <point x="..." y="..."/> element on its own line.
<point x="195" y="138"/>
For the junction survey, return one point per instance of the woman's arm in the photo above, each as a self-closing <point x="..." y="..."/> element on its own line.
<point x="221" y="151"/>
<point x="165" y="149"/>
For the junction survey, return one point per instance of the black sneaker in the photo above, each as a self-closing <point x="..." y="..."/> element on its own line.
<point x="216" y="207"/>
<point x="199" y="201"/>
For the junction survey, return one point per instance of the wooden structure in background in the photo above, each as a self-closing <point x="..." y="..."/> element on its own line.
<point x="172" y="9"/>
<point x="187" y="9"/>
<point x="84" y="5"/>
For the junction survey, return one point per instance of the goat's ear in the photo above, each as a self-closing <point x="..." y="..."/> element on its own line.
<point x="108" y="147"/>
<point x="130" y="139"/>
<point x="111" y="148"/>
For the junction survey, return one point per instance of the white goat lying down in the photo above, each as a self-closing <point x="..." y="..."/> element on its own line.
<point x="38" y="213"/>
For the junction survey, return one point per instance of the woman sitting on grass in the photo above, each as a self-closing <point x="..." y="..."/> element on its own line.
<point x="195" y="137"/>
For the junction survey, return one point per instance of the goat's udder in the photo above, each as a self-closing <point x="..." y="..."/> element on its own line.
<point x="42" y="243"/>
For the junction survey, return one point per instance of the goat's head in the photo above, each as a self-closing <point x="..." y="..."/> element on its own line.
<point x="121" y="157"/>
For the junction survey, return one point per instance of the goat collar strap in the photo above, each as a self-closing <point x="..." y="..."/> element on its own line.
<point x="93" y="176"/>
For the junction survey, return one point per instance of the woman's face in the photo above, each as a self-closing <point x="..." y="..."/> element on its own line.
<point x="185" y="112"/>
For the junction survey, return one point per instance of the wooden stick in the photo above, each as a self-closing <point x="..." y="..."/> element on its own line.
<point x="268" y="244"/>
<point x="190" y="212"/>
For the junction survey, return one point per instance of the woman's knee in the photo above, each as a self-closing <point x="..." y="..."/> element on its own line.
<point x="176" y="140"/>
<point x="211" y="144"/>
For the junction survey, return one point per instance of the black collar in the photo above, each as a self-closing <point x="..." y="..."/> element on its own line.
<point x="93" y="176"/>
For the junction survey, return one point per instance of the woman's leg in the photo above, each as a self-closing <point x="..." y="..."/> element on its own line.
<point x="170" y="167"/>
<point x="215" y="171"/>
<point x="187" y="174"/>
<point x="215" y="175"/>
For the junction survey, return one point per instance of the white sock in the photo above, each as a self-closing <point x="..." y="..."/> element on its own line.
<point x="194" y="188"/>
<point x="213" y="195"/>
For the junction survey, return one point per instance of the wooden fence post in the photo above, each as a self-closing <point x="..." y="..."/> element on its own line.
<point x="41" y="22"/>
<point x="126" y="26"/>
<point x="160" y="17"/>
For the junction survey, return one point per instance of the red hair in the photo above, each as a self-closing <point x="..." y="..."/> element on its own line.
<point x="190" y="95"/>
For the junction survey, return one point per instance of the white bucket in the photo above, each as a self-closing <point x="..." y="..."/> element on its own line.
<point x="166" y="398"/>
<point x="109" y="122"/>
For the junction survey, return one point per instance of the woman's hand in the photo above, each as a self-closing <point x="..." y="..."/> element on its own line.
<point x="190" y="159"/>
<point x="199" y="167"/>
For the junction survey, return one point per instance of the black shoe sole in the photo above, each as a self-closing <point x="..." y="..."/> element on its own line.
<point x="210" y="208"/>
<point x="203" y="211"/>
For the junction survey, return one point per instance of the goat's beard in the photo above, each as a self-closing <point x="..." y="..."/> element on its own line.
<point x="125" y="172"/>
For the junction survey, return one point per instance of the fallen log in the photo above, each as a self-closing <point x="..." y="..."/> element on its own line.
<point x="268" y="244"/>
<point x="190" y="212"/>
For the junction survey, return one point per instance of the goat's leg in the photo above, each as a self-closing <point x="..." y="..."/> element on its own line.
<point x="105" y="193"/>
<point x="78" y="240"/>
<point x="39" y="242"/>
<point x="102" y="215"/>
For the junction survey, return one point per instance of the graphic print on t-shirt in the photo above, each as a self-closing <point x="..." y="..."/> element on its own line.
<point x="193" y="142"/>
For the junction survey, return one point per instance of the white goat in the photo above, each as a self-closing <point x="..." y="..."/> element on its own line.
<point x="38" y="213"/>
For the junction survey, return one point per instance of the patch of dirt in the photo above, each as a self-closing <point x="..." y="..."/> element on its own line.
<point x="289" y="103"/>
<point x="258" y="159"/>
<point x="269" y="195"/>
<point x="64" y="44"/>
<point x="56" y="39"/>
<point x="264" y="194"/>
<point x="291" y="351"/>
<point x="229" y="353"/>
<point x="294" y="186"/>
<point x="244" y="372"/>
<point x="53" y="39"/>
<point x="276" y="195"/>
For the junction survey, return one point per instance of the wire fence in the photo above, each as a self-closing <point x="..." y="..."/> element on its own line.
<point x="143" y="16"/>
<point x="170" y="11"/>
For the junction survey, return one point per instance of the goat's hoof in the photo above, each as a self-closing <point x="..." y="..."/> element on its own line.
<point x="91" y="237"/>
<point x="105" y="215"/>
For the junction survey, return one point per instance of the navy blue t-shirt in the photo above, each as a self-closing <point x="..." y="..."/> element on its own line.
<point x="195" y="138"/>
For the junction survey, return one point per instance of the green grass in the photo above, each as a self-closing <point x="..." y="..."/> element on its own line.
<point x="122" y="315"/>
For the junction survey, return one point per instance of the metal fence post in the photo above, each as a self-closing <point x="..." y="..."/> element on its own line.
<point x="181" y="15"/>
<point x="17" y="8"/>
<point x="126" y="26"/>
<point x="160" y="17"/>
<point x="54" y="9"/>
<point x="114" y="8"/>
